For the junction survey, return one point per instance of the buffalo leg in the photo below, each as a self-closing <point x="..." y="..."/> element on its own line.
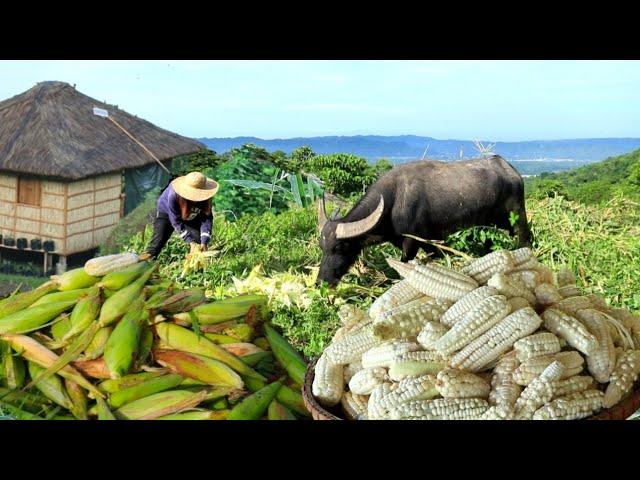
<point x="409" y="249"/>
<point x="523" y="231"/>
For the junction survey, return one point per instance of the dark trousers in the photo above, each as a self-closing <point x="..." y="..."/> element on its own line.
<point x="162" y="230"/>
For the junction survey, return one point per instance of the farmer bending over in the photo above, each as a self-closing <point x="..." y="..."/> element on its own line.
<point x="184" y="206"/>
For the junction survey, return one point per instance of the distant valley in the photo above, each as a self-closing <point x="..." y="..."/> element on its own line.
<point x="529" y="157"/>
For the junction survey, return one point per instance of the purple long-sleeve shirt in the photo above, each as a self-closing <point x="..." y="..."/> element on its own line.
<point x="168" y="204"/>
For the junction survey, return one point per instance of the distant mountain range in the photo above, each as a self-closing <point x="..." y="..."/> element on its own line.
<point x="530" y="157"/>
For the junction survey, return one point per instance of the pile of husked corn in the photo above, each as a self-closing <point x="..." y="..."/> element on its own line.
<point x="504" y="337"/>
<point x="110" y="341"/>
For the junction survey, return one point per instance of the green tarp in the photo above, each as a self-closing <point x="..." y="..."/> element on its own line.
<point x="139" y="181"/>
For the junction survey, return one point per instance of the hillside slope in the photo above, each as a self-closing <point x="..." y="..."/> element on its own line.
<point x="592" y="183"/>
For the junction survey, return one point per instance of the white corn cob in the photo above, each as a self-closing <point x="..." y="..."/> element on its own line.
<point x="497" y="340"/>
<point x="533" y="367"/>
<point x="347" y="329"/>
<point x="539" y="391"/>
<point x="416" y="363"/>
<point x="398" y="294"/>
<point x="409" y="389"/>
<point x="351" y="315"/>
<point x="99" y="266"/>
<point x="354" y="406"/>
<point x="499" y="412"/>
<point x="601" y="361"/>
<point x="481" y="269"/>
<point x="571" y="305"/>
<point x="477" y="321"/>
<point x="575" y="384"/>
<point x="350" y="370"/>
<point x="350" y="348"/>
<point x="430" y="334"/>
<point x="384" y="354"/>
<point x="453" y="383"/>
<point x="522" y="255"/>
<point x="623" y="377"/>
<point x="536" y="345"/>
<point x="567" y="291"/>
<point x="598" y="302"/>
<point x="530" y="278"/>
<point x="459" y="309"/>
<point x="511" y="287"/>
<point x="518" y="303"/>
<point x="546" y="294"/>
<point x="328" y="383"/>
<point x="570" y="328"/>
<point x="435" y="280"/>
<point x="546" y="274"/>
<point x="407" y="320"/>
<point x="565" y="277"/>
<point x="441" y="409"/>
<point x="630" y="321"/>
<point x="375" y="406"/>
<point x="364" y="381"/>
<point x="504" y="391"/>
<point x="571" y="407"/>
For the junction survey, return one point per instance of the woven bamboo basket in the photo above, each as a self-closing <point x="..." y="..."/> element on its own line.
<point x="621" y="411"/>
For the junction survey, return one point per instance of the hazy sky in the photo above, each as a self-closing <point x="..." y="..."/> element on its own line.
<point x="490" y="100"/>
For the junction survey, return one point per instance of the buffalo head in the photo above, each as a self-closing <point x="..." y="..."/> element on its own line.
<point x="342" y="241"/>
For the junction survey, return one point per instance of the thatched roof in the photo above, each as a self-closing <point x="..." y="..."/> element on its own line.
<point x="50" y="130"/>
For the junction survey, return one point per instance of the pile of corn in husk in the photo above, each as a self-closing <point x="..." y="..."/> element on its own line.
<point x="127" y="345"/>
<point x="502" y="337"/>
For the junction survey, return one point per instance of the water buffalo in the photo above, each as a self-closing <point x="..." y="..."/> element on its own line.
<point x="428" y="199"/>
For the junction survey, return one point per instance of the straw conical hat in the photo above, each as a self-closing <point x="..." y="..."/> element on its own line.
<point x="195" y="187"/>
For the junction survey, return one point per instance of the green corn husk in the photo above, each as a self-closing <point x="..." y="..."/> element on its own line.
<point x="286" y="356"/>
<point x="61" y="296"/>
<point x="108" y="293"/>
<point x="277" y="411"/>
<point x="262" y="342"/>
<point x="181" y="301"/>
<point x="60" y="327"/>
<point x="155" y="298"/>
<point x="64" y="417"/>
<point x="20" y="301"/>
<point x="243" y="332"/>
<point x="18" y="413"/>
<point x="254" y="406"/>
<point x="224" y="310"/>
<point x="144" y="389"/>
<point x="205" y="369"/>
<point x="191" y="415"/>
<point x="84" y="313"/>
<point x="96" y="347"/>
<point x="127" y="381"/>
<point x="120" y="302"/>
<point x="220" y="339"/>
<point x="74" y="279"/>
<point x="190" y="382"/>
<point x="103" y="410"/>
<point x="185" y="340"/>
<point x="78" y="400"/>
<point x="286" y="395"/>
<point x="255" y="358"/>
<point x="121" y="348"/>
<point x="121" y="278"/>
<point x="14" y="370"/>
<point x="219" y="404"/>
<point x="51" y="387"/>
<point x="31" y="318"/>
<point x="160" y="404"/>
<point x="145" y="346"/>
<point x="213" y="393"/>
<point x="35" y="352"/>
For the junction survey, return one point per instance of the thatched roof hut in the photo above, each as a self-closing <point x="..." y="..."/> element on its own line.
<point x="63" y="169"/>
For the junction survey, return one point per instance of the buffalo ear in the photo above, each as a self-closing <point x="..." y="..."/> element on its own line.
<point x="360" y="227"/>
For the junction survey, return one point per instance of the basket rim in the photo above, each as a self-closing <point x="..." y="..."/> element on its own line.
<point x="621" y="411"/>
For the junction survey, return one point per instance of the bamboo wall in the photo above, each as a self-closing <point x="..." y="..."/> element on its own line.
<point x="77" y="216"/>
